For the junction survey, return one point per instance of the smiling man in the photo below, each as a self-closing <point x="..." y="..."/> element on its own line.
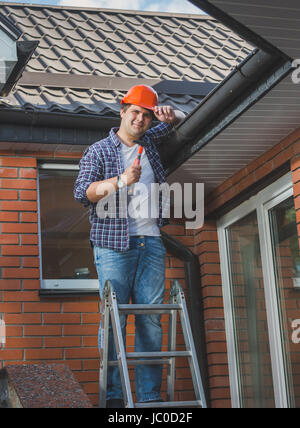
<point x="129" y="251"/>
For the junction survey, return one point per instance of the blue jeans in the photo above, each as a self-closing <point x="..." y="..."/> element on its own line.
<point x="139" y="274"/>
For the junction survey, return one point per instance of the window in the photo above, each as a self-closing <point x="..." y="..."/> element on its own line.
<point x="249" y="313"/>
<point x="260" y="263"/>
<point x="66" y="254"/>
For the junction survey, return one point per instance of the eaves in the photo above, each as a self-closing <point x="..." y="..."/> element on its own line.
<point x="30" y="128"/>
<point x="252" y="79"/>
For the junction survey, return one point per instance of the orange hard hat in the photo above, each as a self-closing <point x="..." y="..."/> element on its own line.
<point x="142" y="96"/>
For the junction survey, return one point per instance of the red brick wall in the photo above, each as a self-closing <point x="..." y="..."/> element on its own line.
<point x="295" y="167"/>
<point x="207" y="249"/>
<point x="51" y="330"/>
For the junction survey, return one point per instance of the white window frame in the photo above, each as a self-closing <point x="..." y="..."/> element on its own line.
<point x="60" y="284"/>
<point x="262" y="202"/>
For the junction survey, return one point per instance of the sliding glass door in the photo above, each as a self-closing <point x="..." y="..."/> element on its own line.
<point x="249" y="313"/>
<point x="260" y="266"/>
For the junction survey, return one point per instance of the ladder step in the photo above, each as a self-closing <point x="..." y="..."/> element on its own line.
<point x="145" y="309"/>
<point x="163" y="404"/>
<point x="166" y="354"/>
<point x="151" y="362"/>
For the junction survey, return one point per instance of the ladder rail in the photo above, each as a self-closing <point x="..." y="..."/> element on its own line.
<point x="171" y="348"/>
<point x="120" y="349"/>
<point x="193" y="362"/>
<point x="104" y="331"/>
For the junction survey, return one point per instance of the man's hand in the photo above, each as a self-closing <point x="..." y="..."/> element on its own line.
<point x="168" y="115"/>
<point x="131" y="174"/>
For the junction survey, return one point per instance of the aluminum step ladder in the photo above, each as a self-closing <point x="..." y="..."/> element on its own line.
<point x="110" y="311"/>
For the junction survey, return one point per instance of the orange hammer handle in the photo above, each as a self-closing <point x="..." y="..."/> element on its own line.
<point x="139" y="155"/>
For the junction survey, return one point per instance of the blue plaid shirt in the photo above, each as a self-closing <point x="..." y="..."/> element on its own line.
<point x="104" y="160"/>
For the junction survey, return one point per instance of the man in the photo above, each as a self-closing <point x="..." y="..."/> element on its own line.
<point x="128" y="250"/>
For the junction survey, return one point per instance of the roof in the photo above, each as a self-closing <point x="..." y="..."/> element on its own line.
<point x="113" y="48"/>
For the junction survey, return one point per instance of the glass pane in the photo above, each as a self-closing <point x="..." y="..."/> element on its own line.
<point x="249" y="314"/>
<point x="65" y="229"/>
<point x="287" y="272"/>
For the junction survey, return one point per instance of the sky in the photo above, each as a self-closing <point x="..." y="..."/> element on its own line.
<point x="171" y="6"/>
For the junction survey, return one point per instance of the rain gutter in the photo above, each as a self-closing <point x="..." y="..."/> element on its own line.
<point x="242" y="88"/>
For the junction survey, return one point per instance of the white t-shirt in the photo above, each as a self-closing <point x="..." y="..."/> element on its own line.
<point x="143" y="206"/>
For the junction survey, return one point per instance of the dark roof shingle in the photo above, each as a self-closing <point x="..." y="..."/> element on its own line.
<point x="119" y="44"/>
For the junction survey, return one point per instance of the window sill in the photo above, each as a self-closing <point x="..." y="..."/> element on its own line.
<point x="67" y="292"/>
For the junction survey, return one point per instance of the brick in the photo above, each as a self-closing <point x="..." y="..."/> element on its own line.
<point x="297" y="189"/>
<point x="18" y="184"/>
<point x="10" y="284"/>
<point x="175" y="273"/>
<point x="214" y="314"/>
<point x="296" y="149"/>
<point x="29" y="217"/>
<point x="82" y="353"/>
<point x="213" y="302"/>
<point x="8" y="173"/>
<point x="43" y="354"/>
<point x="31" y="284"/>
<point x="14" y="355"/>
<point x="9" y="239"/>
<point x="18" y="162"/>
<point x="80" y="330"/>
<point x="92" y="341"/>
<point x="31" y="262"/>
<point x="8" y="194"/>
<point x="23" y="319"/>
<point x="23" y="342"/>
<point x="295" y="163"/>
<point x="28" y="195"/>
<point x="16" y="296"/>
<point x="20" y="273"/>
<point x="62" y="318"/>
<point x="41" y="307"/>
<point x="14" y="331"/>
<point x="90" y="318"/>
<point x="29" y="239"/>
<point x="174" y="229"/>
<point x="210" y="269"/>
<point x="19" y="206"/>
<point x="19" y="228"/>
<point x="9" y="217"/>
<point x="7" y="308"/>
<point x="10" y="261"/>
<point x="22" y="250"/>
<point x="81" y="307"/>
<point x="62" y="342"/>
<point x="42" y="330"/>
<point x="27" y="173"/>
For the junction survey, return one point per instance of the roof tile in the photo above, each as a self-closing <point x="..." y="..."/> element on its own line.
<point x="127" y="44"/>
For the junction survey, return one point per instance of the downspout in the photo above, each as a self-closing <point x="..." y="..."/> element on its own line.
<point x="194" y="301"/>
